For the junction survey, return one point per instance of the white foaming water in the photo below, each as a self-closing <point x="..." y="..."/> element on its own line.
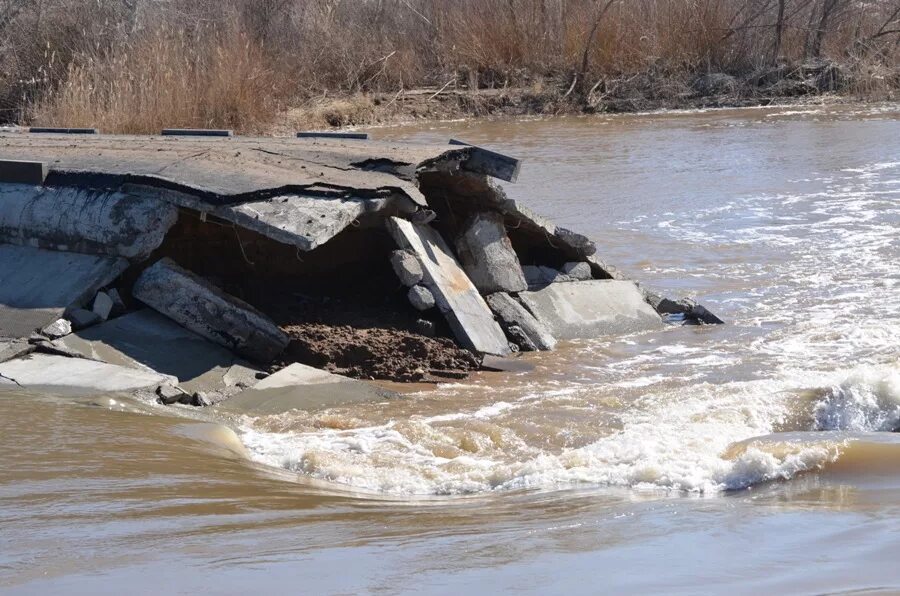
<point x="867" y="400"/>
<point x="808" y="282"/>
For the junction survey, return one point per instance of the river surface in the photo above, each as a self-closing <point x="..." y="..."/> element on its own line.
<point x="754" y="457"/>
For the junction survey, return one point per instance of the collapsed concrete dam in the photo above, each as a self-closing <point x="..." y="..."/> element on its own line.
<point x="208" y="268"/>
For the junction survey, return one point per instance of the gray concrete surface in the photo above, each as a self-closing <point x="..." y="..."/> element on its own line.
<point x="75" y="376"/>
<point x="301" y="387"/>
<point x="147" y="340"/>
<point x="36" y="285"/>
<point x="591" y="309"/>
<point x="84" y="221"/>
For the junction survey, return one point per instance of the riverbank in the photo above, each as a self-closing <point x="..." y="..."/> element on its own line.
<point x="819" y="83"/>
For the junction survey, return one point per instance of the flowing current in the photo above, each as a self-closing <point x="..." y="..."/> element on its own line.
<point x="754" y="456"/>
<point x="790" y="234"/>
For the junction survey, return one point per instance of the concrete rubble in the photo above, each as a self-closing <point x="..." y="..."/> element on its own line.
<point x="183" y="268"/>
<point x="204" y="309"/>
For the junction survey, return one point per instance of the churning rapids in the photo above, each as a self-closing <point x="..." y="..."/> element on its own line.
<point x="784" y="221"/>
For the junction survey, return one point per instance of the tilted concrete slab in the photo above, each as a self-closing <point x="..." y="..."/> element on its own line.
<point x="75" y="376"/>
<point x="232" y="170"/>
<point x="304" y="222"/>
<point x="301" y="387"/>
<point x="591" y="308"/>
<point x="84" y="221"/>
<point x="14" y="348"/>
<point x="146" y="340"/>
<point x="37" y="285"/>
<point x="193" y="303"/>
<point x="457" y="298"/>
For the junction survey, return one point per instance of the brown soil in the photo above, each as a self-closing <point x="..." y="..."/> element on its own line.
<point x="378" y="353"/>
<point x="367" y="338"/>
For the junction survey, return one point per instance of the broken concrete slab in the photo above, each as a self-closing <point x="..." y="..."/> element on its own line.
<point x="511" y="313"/>
<point x="490" y="163"/>
<point x="407" y="267"/>
<point x="14" y="348"/>
<point x="76" y="376"/>
<point x="36" y="285"/>
<point x="591" y="308"/>
<point x="302" y="221"/>
<point x="487" y="255"/>
<point x="456" y="296"/>
<point x="228" y="170"/>
<point x="301" y="387"/>
<point x="85" y="221"/>
<point x="206" y="310"/>
<point x="147" y="340"/>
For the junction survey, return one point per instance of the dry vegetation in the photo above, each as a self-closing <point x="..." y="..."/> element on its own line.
<point x="140" y="65"/>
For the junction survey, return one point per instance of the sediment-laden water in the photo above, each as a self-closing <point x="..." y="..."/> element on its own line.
<point x="756" y="456"/>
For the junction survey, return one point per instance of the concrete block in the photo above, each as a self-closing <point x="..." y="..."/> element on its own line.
<point x="513" y="314"/>
<point x="63" y="131"/>
<point x="421" y="298"/>
<point x="58" y="328"/>
<point x="541" y="275"/>
<point x="146" y="340"/>
<point x="171" y="394"/>
<point x="578" y="271"/>
<point x="36" y="286"/>
<point x="77" y="376"/>
<point x="14" y="171"/>
<point x="487" y="255"/>
<point x="195" y="132"/>
<point x="407" y="267"/>
<point x="591" y="308"/>
<point x="301" y="387"/>
<point x="359" y="136"/>
<point x="459" y="301"/>
<point x="82" y="318"/>
<point x="694" y="313"/>
<point x="85" y="221"/>
<point x="206" y="310"/>
<point x="103" y="305"/>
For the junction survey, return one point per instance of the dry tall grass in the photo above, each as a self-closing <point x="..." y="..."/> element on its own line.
<point x="139" y="65"/>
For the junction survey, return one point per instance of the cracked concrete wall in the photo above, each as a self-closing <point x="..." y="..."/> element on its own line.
<point x="85" y="221"/>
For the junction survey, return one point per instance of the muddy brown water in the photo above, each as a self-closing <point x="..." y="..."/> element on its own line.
<point x="749" y="458"/>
